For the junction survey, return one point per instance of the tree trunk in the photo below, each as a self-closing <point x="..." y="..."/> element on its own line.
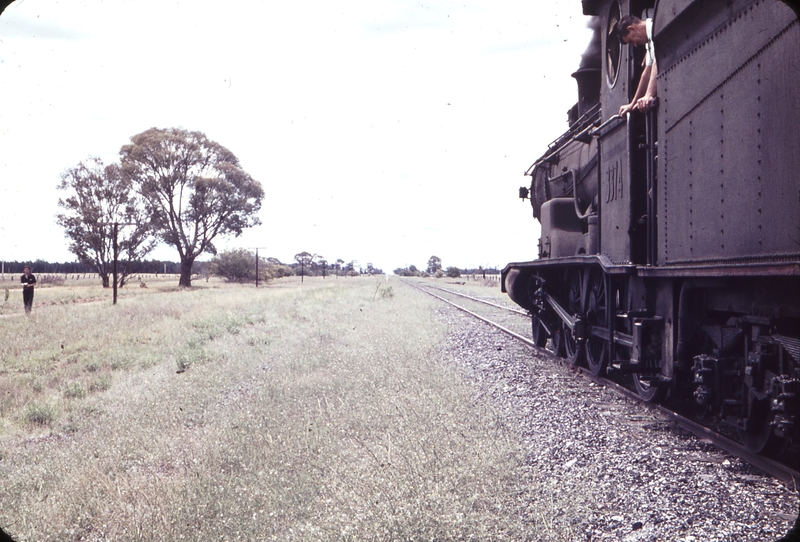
<point x="186" y="273"/>
<point x="104" y="278"/>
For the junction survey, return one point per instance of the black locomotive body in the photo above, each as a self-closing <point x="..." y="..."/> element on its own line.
<point x="670" y="242"/>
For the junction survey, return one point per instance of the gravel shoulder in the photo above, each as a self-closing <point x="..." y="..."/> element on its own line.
<point x="625" y="473"/>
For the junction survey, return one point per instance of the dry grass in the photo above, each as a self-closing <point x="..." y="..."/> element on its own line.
<point x="321" y="412"/>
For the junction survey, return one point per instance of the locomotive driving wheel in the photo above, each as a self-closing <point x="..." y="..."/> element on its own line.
<point x="597" y="316"/>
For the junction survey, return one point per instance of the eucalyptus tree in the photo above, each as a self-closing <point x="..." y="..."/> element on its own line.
<point x="321" y="262"/>
<point x="304" y="259"/>
<point x="98" y="197"/>
<point x="194" y="189"/>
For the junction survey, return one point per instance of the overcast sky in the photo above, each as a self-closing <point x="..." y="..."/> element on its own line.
<point x="382" y="131"/>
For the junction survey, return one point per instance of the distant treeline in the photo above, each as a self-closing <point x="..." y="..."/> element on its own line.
<point x="147" y="266"/>
<point x="412" y="271"/>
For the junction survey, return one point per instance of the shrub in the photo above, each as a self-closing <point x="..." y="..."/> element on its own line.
<point x="54" y="280"/>
<point x="237" y="265"/>
<point x="277" y="271"/>
<point x="453" y="272"/>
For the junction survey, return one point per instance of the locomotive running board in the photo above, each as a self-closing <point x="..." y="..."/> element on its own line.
<point x="603" y="261"/>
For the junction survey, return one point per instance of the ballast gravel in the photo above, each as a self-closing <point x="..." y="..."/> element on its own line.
<point x="609" y="468"/>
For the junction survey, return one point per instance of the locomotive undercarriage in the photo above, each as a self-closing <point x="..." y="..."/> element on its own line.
<point x="746" y="371"/>
<point x="729" y="346"/>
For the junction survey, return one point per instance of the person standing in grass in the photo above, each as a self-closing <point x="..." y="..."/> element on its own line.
<point x="28" y="280"/>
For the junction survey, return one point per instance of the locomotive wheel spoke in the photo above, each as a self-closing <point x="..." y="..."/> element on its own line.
<point x="557" y="342"/>
<point x="571" y="350"/>
<point x="596" y="347"/>
<point x="538" y="334"/>
<point x="575" y="302"/>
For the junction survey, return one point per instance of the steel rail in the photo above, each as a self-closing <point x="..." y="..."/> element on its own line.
<point x="478" y="316"/>
<point x="511" y="309"/>
<point x="769" y="466"/>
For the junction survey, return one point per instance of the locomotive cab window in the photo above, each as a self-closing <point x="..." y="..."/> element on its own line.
<point x="613" y="47"/>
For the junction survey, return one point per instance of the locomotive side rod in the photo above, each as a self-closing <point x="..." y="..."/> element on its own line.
<point x="567" y="318"/>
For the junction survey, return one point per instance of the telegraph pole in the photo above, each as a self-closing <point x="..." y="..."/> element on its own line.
<point x="115" y="230"/>
<point x="251" y="248"/>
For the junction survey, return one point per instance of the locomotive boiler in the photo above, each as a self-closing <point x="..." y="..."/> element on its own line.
<point x="670" y="240"/>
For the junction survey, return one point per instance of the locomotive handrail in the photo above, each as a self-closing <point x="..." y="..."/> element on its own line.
<point x="606" y="123"/>
<point x="578" y="126"/>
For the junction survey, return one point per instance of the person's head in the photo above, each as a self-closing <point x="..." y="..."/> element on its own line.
<point x="630" y="29"/>
<point x="26" y="270"/>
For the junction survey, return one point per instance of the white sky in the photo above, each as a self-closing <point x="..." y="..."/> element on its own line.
<point x="382" y="131"/>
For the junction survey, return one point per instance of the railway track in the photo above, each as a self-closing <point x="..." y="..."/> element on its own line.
<point x="501" y="317"/>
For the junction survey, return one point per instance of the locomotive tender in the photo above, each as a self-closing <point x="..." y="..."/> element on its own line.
<point x="670" y="240"/>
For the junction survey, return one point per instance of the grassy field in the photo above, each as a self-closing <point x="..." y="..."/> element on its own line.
<point x="321" y="411"/>
<point x="61" y="289"/>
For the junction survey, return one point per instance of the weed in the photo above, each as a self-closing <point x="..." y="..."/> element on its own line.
<point x="40" y="414"/>
<point x="74" y="390"/>
<point x="387" y="292"/>
<point x="101" y="383"/>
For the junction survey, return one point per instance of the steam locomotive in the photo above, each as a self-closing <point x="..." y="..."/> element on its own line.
<point x="670" y="240"/>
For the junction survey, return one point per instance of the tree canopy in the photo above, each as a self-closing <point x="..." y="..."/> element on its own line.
<point x="99" y="196"/>
<point x="194" y="190"/>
